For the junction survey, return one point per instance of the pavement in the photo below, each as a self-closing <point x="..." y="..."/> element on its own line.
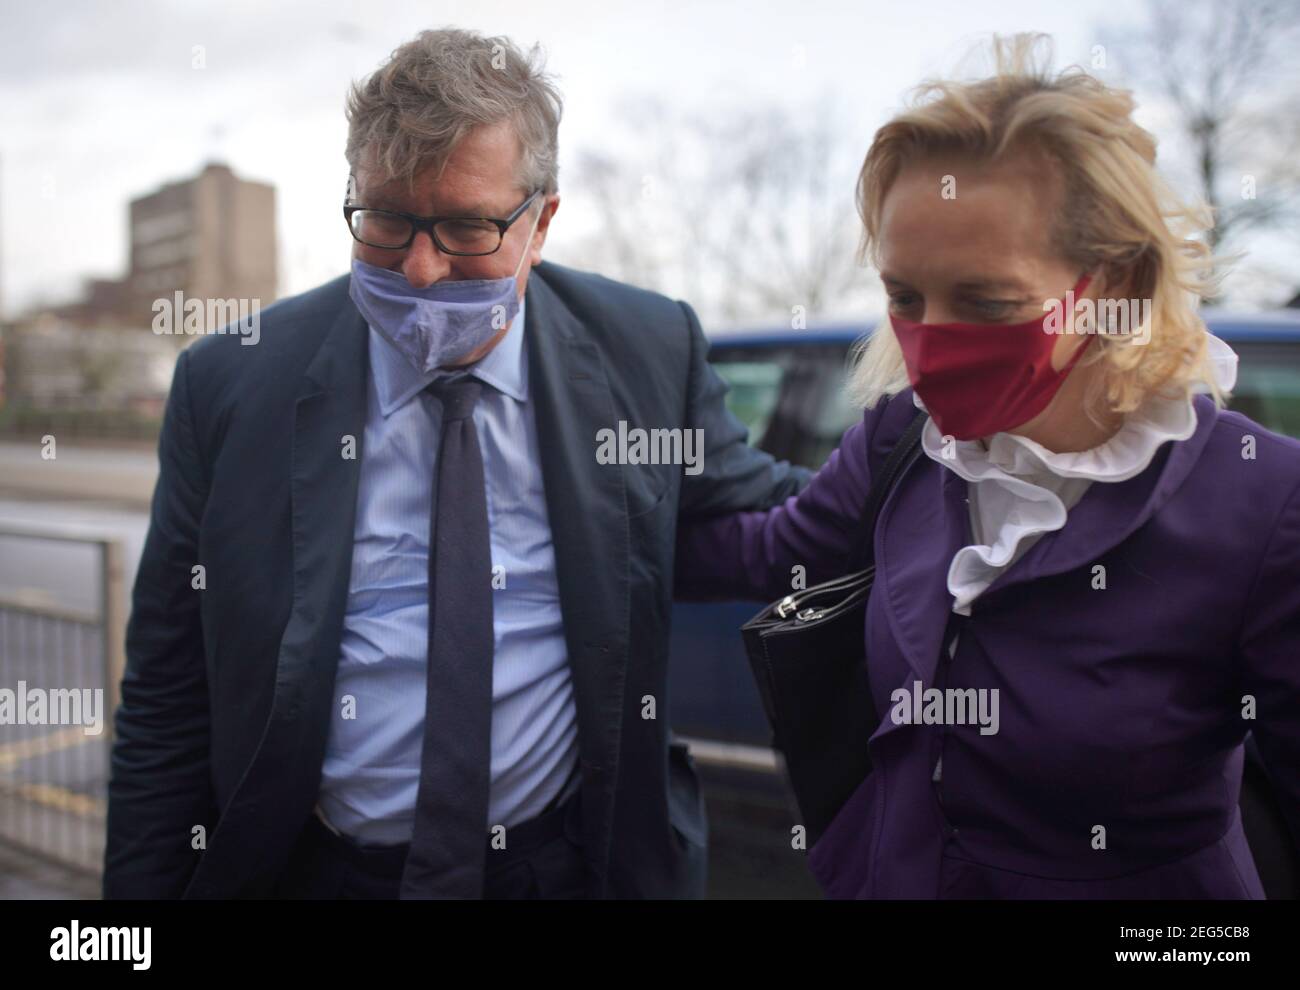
<point x="107" y="474"/>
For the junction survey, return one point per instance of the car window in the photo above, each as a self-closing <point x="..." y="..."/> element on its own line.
<point x="791" y="397"/>
<point x="838" y="414"/>
<point x="1268" y="385"/>
<point x="755" y="385"/>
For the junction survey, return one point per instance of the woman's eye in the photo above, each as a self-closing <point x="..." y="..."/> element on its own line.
<point x="902" y="300"/>
<point x="994" y="309"/>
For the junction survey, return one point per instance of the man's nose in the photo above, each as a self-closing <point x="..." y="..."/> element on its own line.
<point x="424" y="264"/>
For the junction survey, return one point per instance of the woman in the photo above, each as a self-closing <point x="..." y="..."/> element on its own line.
<point x="1092" y="544"/>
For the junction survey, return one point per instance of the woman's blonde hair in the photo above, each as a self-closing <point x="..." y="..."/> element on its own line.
<point x="1116" y="212"/>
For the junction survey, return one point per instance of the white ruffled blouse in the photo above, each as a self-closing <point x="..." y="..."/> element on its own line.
<point x="1020" y="490"/>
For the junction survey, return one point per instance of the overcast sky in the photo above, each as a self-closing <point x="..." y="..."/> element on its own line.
<point x="99" y="101"/>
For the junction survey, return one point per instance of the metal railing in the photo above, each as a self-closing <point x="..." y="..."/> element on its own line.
<point x="54" y="660"/>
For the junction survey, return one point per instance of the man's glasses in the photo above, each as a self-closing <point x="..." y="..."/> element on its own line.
<point x="465" y="236"/>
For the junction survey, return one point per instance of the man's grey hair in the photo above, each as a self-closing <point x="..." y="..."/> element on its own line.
<point x="411" y="112"/>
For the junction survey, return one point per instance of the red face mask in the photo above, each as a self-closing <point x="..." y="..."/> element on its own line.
<point x="977" y="379"/>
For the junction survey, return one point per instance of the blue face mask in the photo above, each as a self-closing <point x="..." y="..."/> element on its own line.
<point x="441" y="323"/>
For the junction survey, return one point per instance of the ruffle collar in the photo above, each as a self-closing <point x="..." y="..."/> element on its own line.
<point x="1023" y="486"/>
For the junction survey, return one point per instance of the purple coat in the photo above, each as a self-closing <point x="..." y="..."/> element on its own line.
<point x="1121" y="709"/>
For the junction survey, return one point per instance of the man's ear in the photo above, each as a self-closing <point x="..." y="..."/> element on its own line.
<point x="543" y="225"/>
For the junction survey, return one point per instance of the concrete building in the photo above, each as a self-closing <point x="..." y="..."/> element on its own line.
<point x="210" y="237"/>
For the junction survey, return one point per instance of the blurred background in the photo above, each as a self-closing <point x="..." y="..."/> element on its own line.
<point x="708" y="151"/>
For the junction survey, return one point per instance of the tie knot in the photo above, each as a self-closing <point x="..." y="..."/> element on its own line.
<point x="457" y="397"/>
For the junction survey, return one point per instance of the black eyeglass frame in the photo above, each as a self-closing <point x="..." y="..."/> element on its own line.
<point x="419" y="223"/>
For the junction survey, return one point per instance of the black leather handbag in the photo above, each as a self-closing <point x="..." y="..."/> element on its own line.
<point x="809" y="661"/>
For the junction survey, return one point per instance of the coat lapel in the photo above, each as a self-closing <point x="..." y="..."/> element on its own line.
<point x="923" y="523"/>
<point x="586" y="504"/>
<point x="285" y="771"/>
<point x="926" y="520"/>
<point x="1109" y="512"/>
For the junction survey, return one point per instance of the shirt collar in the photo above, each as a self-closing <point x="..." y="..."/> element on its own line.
<point x="397" y="382"/>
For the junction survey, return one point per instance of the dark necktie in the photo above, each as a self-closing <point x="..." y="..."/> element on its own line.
<point x="448" y="845"/>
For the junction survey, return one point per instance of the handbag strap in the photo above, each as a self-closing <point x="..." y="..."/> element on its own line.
<point x="896" y="464"/>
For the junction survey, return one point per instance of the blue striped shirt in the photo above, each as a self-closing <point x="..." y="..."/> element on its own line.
<point x="371" y="770"/>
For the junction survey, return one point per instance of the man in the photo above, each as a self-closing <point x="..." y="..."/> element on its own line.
<point x="316" y="704"/>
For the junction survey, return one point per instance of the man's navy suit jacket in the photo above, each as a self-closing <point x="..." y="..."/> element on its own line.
<point x="229" y="686"/>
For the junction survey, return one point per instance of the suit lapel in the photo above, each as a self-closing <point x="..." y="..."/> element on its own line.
<point x="586" y="504"/>
<point x="284" y="773"/>
<point x="587" y="509"/>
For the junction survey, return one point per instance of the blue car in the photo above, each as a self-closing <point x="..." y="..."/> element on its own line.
<point x="787" y="387"/>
